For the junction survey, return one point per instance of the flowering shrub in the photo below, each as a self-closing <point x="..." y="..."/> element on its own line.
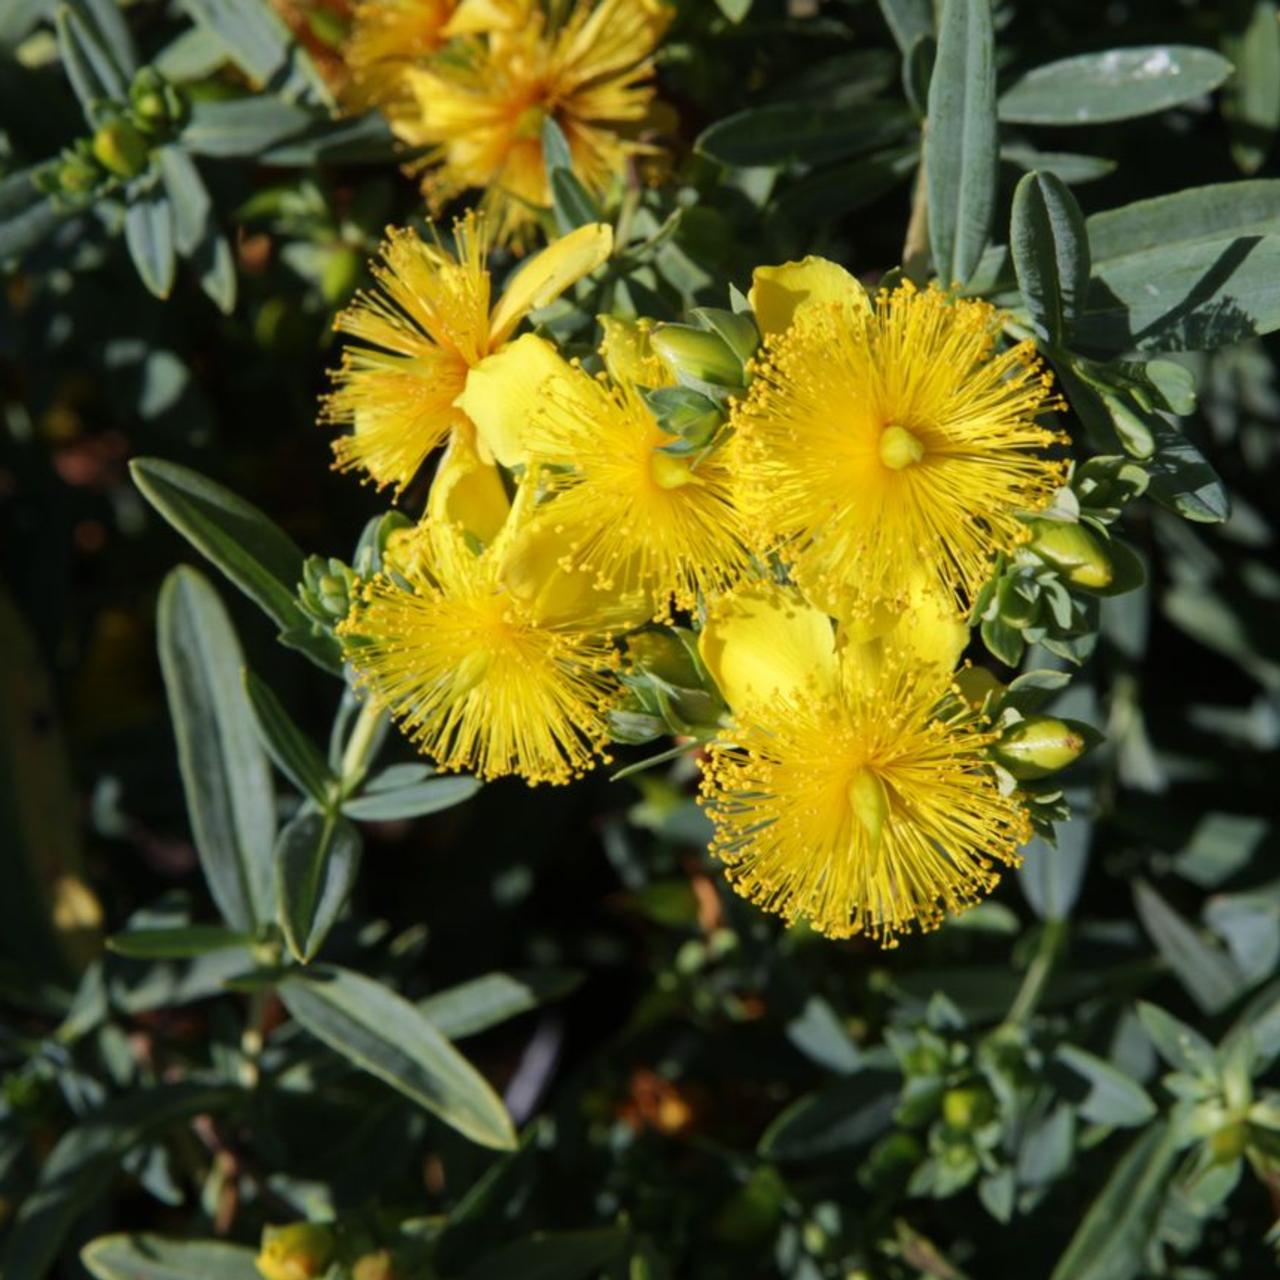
<point x="761" y="444"/>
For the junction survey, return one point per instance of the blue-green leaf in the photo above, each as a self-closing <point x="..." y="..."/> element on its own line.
<point x="317" y="858"/>
<point x="243" y="126"/>
<point x="93" y="72"/>
<point x="177" y="944"/>
<point x="1050" y="247"/>
<point x="1119" y="84"/>
<point x="411" y="802"/>
<point x="566" y="1255"/>
<point x="1114" y="1099"/>
<point x="293" y="752"/>
<point x="384" y="1034"/>
<point x="484" y="1002"/>
<point x="150" y="1257"/>
<point x="149" y="233"/>
<point x="961" y="146"/>
<point x="842" y="1117"/>
<point x="801" y="132"/>
<point x="1251" y="97"/>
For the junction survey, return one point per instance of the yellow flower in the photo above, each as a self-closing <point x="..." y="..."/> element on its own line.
<point x="477" y="677"/>
<point x="422" y="329"/>
<point x="300" y="1251"/>
<point x="855" y="797"/>
<point x="480" y="108"/>
<point x="634" y="518"/>
<point x="879" y="441"/>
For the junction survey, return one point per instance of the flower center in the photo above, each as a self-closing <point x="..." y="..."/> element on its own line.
<point x="530" y="121"/>
<point x="870" y="803"/>
<point x="899" y="448"/>
<point x="669" y="471"/>
<point x="471" y="671"/>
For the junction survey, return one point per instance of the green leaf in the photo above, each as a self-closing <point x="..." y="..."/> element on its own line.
<point x="1111" y="1241"/>
<point x="176" y="944"/>
<point x="571" y="202"/>
<point x="362" y="139"/>
<point x="1181" y="1046"/>
<point x="961" y="150"/>
<point x="258" y="556"/>
<point x="840" y="1118"/>
<point x="1050" y="254"/>
<point x="566" y="1255"/>
<point x="93" y="72"/>
<point x="293" y="752"/>
<point x="1251" y="97"/>
<point x="27" y="215"/>
<point x="735" y="10"/>
<point x="555" y="147"/>
<point x="107" y="21"/>
<point x="1119" y="84"/>
<point x="1209" y="976"/>
<point x="196" y="232"/>
<point x="316" y="858"/>
<point x="243" y="126"/>
<point x="839" y="190"/>
<point x="224" y="773"/>
<point x="908" y="20"/>
<point x="1071" y="168"/>
<point x="87" y="1160"/>
<point x="1051" y="878"/>
<point x="412" y="802"/>
<point x="819" y="1034"/>
<point x="260" y="43"/>
<point x="1114" y="1099"/>
<point x="149" y="233"/>
<point x="917" y="72"/>
<point x="1182" y="479"/>
<point x="148" y="1257"/>
<point x="484" y="1002"/>
<point x="382" y="1033"/>
<point x="794" y="132"/>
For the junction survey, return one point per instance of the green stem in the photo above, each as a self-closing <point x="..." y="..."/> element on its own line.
<point x="1052" y="938"/>
<point x="360" y="746"/>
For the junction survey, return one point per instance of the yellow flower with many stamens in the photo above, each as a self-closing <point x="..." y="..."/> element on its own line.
<point x="422" y="329"/>
<point x="878" y="439"/>
<point x="852" y="790"/>
<point x="634" y="518"/>
<point x="477" y="677"/>
<point x="480" y="108"/>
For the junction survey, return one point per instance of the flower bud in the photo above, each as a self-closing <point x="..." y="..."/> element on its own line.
<point x="375" y="1266"/>
<point x="738" y="331"/>
<point x="327" y="589"/>
<point x="1041" y="745"/>
<point x="697" y="357"/>
<point x="686" y="414"/>
<point x="1228" y="1143"/>
<point x="121" y="149"/>
<point x="967" y="1109"/>
<point x="300" y="1251"/>
<point x="1074" y="551"/>
<point x="77" y="176"/>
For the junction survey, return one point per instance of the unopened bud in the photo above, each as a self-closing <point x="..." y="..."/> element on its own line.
<point x="697" y="356"/>
<point x="967" y="1109"/>
<point x="121" y="149"/>
<point x="738" y="331"/>
<point x="1074" y="551"/>
<point x="1040" y="746"/>
<point x="300" y="1251"/>
<point x="1228" y="1144"/>
<point x="78" y="176"/>
<point x="375" y="1266"/>
<point x="686" y="414"/>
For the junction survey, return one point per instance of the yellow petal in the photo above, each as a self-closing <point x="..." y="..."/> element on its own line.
<point x="502" y="392"/>
<point x="476" y="17"/>
<point x="468" y="492"/>
<point x="927" y="632"/>
<point x="776" y="292"/>
<point x="764" y="642"/>
<point x="545" y="277"/>
<point x="534" y="571"/>
<point x="628" y="355"/>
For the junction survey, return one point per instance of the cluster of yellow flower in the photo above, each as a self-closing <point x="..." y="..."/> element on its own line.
<point x="471" y="83"/>
<point x="826" y="540"/>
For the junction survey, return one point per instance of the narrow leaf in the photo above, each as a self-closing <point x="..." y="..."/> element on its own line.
<point x="148" y="1257"/>
<point x="908" y="20"/>
<point x="27" y="215"/>
<point x="258" y="556"/>
<point x="481" y="1003"/>
<point x="567" y="1255"/>
<point x="1251" y="97"/>
<point x="1181" y="1046"/>
<point x="149" y="233"/>
<point x="1116" y="85"/>
<point x="176" y="944"/>
<point x="286" y="744"/>
<point x="961" y="147"/>
<point x="93" y="72"/>
<point x="243" y="126"/>
<point x="384" y="1034"/>
<point x="1209" y="976"/>
<point x="224" y="772"/>
<point x="412" y="802"/>
<point x="1111" y="1241"/>
<point x="1114" y="1098"/>
<point x="1051" y="878"/>
<point x="843" y="1117"/>
<point x="316" y="858"/>
<point x="801" y="132"/>
<point x="1050" y="254"/>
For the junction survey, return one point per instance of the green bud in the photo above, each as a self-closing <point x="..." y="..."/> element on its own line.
<point x="327" y="590"/>
<point x="1040" y="746"/>
<point x="924" y="1060"/>
<point x="1074" y="551"/>
<point x="967" y="1109"/>
<point x="1229" y="1143"/>
<point x="300" y="1251"/>
<point x="121" y="149"/>
<point x="738" y="330"/>
<point x="78" y="176"/>
<point x="697" y="357"/>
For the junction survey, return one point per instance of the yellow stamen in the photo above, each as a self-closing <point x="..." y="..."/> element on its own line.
<point x="670" y="472"/>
